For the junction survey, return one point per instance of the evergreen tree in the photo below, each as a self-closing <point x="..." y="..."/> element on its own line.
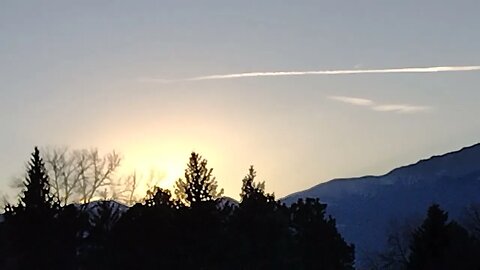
<point x="36" y="198"/>
<point x="198" y="217"/>
<point x="318" y="245"/>
<point x="259" y="229"/>
<point x="250" y="189"/>
<point x="31" y="228"/>
<point x="430" y="240"/>
<point x="438" y="244"/>
<point x="159" y="197"/>
<point x="199" y="184"/>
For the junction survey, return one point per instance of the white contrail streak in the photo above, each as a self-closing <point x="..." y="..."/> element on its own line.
<point x="336" y="72"/>
<point x="353" y="100"/>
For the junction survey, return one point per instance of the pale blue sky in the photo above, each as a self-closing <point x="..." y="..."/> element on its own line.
<point x="71" y="74"/>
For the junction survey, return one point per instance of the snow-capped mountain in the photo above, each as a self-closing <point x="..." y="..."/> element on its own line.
<point x="92" y="208"/>
<point x="365" y="207"/>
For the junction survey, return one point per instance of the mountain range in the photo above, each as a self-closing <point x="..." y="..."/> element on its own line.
<point x="366" y="208"/>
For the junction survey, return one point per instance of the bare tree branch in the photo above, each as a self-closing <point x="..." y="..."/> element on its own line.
<point x="81" y="175"/>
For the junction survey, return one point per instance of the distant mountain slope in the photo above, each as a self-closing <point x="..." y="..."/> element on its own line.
<point x="364" y="206"/>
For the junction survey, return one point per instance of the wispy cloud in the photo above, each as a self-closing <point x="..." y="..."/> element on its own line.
<point x="322" y="72"/>
<point x="353" y="100"/>
<point x="398" y="108"/>
<point x="401" y="108"/>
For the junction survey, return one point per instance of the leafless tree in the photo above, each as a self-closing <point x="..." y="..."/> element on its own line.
<point x="471" y="219"/>
<point x="80" y="175"/>
<point x="396" y="255"/>
<point x="84" y="175"/>
<point x="63" y="171"/>
<point x="121" y="189"/>
<point x="129" y="187"/>
<point x="99" y="173"/>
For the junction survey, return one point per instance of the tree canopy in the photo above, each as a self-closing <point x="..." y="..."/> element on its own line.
<point x="195" y="229"/>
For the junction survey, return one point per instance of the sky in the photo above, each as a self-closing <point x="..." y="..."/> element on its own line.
<point x="155" y="80"/>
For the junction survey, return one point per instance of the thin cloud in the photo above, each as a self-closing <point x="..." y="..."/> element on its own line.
<point x="397" y="108"/>
<point x="336" y="72"/>
<point x="353" y="100"/>
<point x="401" y="108"/>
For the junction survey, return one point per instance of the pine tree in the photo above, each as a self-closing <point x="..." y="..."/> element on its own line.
<point x="430" y="240"/>
<point x="36" y="198"/>
<point x="31" y="227"/>
<point x="199" y="184"/>
<point x="200" y="221"/>
<point x="250" y="189"/>
<point x="318" y="244"/>
<point x="438" y="244"/>
<point x="159" y="197"/>
<point x="259" y="229"/>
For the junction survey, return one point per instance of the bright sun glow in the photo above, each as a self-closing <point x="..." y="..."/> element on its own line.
<point x="160" y="160"/>
<point x="153" y="168"/>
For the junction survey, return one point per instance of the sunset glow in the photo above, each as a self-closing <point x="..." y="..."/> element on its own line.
<point x="234" y="135"/>
<point x="305" y="93"/>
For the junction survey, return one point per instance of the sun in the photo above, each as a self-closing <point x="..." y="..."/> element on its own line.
<point x="153" y="169"/>
<point x="160" y="160"/>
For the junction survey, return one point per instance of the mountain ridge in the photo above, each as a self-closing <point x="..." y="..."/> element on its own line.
<point x="392" y="171"/>
<point x="365" y="206"/>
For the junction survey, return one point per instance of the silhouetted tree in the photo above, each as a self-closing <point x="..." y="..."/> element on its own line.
<point x="397" y="252"/>
<point x="196" y="230"/>
<point x="30" y="226"/>
<point x="160" y="198"/>
<point x="439" y="244"/>
<point x="318" y="244"/>
<point x="36" y="199"/>
<point x="250" y="188"/>
<point x="150" y="231"/>
<point x="198" y="217"/>
<point x="199" y="184"/>
<point x="82" y="175"/>
<point x="259" y="229"/>
<point x="472" y="219"/>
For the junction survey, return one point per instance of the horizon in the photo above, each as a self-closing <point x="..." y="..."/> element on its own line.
<point x="306" y="93"/>
<point x="168" y="183"/>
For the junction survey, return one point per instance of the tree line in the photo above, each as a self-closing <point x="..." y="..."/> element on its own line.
<point x="438" y="243"/>
<point x="196" y="228"/>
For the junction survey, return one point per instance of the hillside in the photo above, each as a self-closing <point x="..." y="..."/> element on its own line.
<point x="365" y="207"/>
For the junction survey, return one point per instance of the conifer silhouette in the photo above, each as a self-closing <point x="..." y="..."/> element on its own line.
<point x="250" y="189"/>
<point x="199" y="184"/>
<point x="440" y="245"/>
<point x="31" y="228"/>
<point x="196" y="230"/>
<point x="259" y="229"/>
<point x="36" y="198"/>
<point x="317" y="242"/>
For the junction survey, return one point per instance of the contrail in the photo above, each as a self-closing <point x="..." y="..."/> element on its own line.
<point x="334" y="72"/>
